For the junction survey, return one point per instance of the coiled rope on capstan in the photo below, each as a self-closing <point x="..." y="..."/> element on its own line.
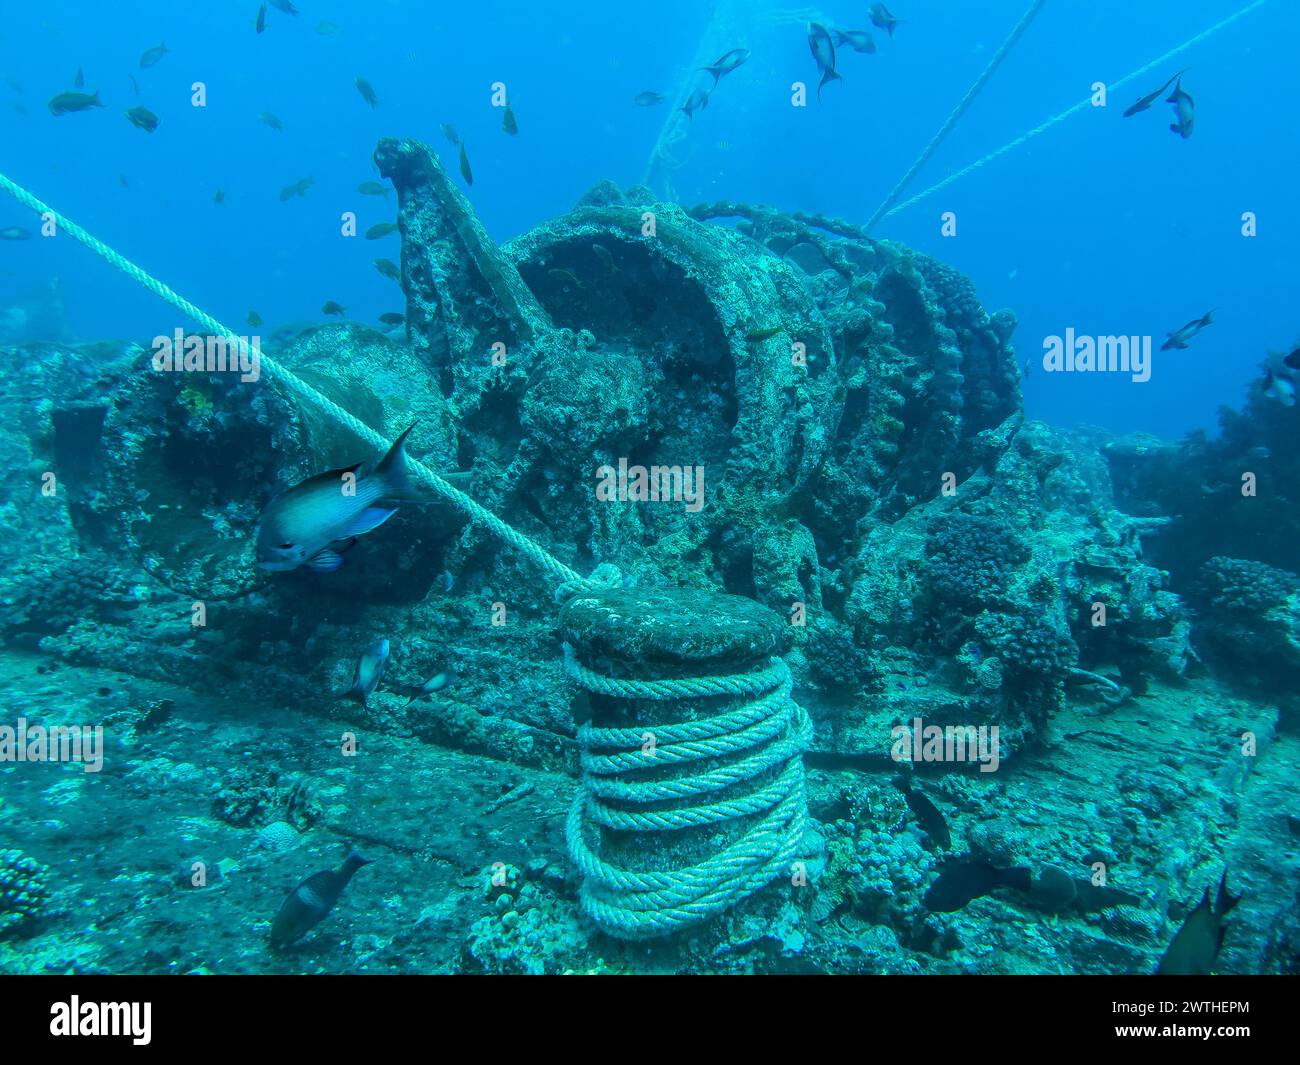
<point x="571" y="582"/>
<point x="1056" y="120"/>
<point x="767" y="734"/>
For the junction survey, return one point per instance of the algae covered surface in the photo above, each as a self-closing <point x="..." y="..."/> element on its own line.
<point x="666" y="587"/>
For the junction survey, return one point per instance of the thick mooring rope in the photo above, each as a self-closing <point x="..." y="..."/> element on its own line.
<point x="765" y="735"/>
<point x="958" y="111"/>
<point x="570" y="581"/>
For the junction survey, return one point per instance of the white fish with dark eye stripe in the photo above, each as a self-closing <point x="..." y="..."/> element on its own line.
<point x="312" y="523"/>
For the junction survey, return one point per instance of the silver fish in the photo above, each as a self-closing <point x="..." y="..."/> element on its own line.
<point x="1184" y="111"/>
<point x="312" y="523"/>
<point x="697" y="100"/>
<point x="435" y="683"/>
<point x="369" y="672"/>
<point x="882" y="19"/>
<point x="726" y="64"/>
<point x="859" y="40"/>
<point x="1179" y="337"/>
<point x="1278" y="388"/>
<point x="823" y="51"/>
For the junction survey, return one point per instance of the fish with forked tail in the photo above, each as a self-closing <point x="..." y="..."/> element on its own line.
<point x="1196" y="945"/>
<point x="368" y="673"/>
<point x="311" y="901"/>
<point x="1184" y="111"/>
<point x="436" y="683"/>
<point x="823" y="51"/>
<point x="1146" y="101"/>
<point x="1179" y="337"/>
<point x="726" y="64"/>
<point x="312" y="522"/>
<point x="698" y="100"/>
<point x="859" y="40"/>
<point x="882" y="19"/>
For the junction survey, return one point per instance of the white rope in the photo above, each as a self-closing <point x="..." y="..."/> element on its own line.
<point x="1082" y="105"/>
<point x="570" y="580"/>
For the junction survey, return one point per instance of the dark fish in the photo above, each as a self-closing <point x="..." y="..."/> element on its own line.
<point x="882" y="19"/>
<point x="219" y="196"/>
<point x="857" y="40"/>
<point x="143" y="118"/>
<point x="135" y="85"/>
<point x="367" y="93"/>
<point x="726" y="64"/>
<point x="306" y="524"/>
<point x="927" y="815"/>
<point x="368" y="673"/>
<point x="254" y="319"/>
<point x="388" y="269"/>
<point x="648" y="99"/>
<point x="67" y="102"/>
<point x="372" y="188"/>
<point x="330" y="307"/>
<point x="15" y="233"/>
<point x="121" y="180"/>
<point x="1184" y="111"/>
<point x="271" y="120"/>
<point x="1292" y="360"/>
<point x="823" y="51"/>
<point x="465" y="171"/>
<point x="434" y="684"/>
<point x="756" y="336"/>
<point x="961" y="882"/>
<point x="1054" y="889"/>
<point x="697" y="101"/>
<point x="508" y="123"/>
<point x="261" y="18"/>
<point x="1196" y="945"/>
<point x="298" y="188"/>
<point x="450" y="133"/>
<point x="79" y="82"/>
<point x="310" y="902"/>
<point x="284" y="5"/>
<point x="153" y="55"/>
<point x="1179" y="337"/>
<point x="392" y="318"/>
<point x="1146" y="101"/>
<point x="380" y="229"/>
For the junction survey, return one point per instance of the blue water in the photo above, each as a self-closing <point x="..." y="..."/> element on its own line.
<point x="1102" y="224"/>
